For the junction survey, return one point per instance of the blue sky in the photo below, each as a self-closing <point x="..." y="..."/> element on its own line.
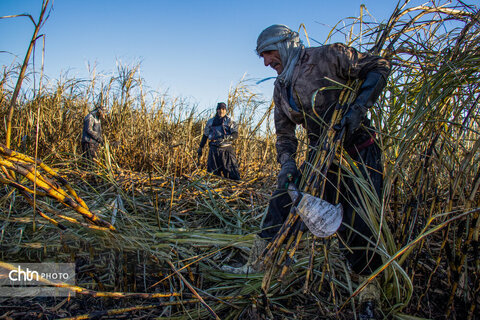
<point x="193" y="49"/>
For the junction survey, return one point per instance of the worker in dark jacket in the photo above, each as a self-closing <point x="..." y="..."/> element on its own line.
<point x="221" y="131"/>
<point x="92" y="137"/>
<point x="300" y="100"/>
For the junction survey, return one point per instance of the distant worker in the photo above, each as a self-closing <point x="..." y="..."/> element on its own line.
<point x="92" y="133"/>
<point x="221" y="131"/>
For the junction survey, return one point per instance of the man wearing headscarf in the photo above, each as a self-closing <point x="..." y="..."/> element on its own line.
<point x="221" y="130"/>
<point x="298" y="101"/>
<point x="92" y="137"/>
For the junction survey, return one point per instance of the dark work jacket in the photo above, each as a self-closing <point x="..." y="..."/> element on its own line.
<point x="310" y="100"/>
<point x="220" y="131"/>
<point x="92" y="128"/>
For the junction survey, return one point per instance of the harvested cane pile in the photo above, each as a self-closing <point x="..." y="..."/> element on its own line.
<point x="152" y="239"/>
<point x="48" y="183"/>
<point x="148" y="230"/>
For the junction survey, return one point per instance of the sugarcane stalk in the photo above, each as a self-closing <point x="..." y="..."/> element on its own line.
<point x="461" y="249"/>
<point x="49" y="187"/>
<point x="461" y="244"/>
<point x="21" y="76"/>
<point x="21" y="187"/>
<point x="328" y="271"/>
<point x="112" y="312"/>
<point x="322" y="277"/>
<point x="80" y="290"/>
<point x="29" y="199"/>
<point x="26" y="194"/>
<point x="190" y="287"/>
<point x="277" y="243"/>
<point x="476" y="292"/>
<point x="21" y="158"/>
<point x="427" y="287"/>
<point x="310" y="266"/>
<point x="267" y="277"/>
<point x="291" y="239"/>
<point x="291" y="254"/>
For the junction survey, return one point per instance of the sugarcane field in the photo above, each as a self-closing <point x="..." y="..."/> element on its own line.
<point x="353" y="193"/>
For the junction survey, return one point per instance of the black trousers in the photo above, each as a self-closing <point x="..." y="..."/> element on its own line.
<point x="363" y="260"/>
<point x="90" y="150"/>
<point x="222" y="161"/>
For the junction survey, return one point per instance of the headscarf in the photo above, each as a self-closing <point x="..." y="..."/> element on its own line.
<point x="101" y="108"/>
<point x="221" y="105"/>
<point x="287" y="42"/>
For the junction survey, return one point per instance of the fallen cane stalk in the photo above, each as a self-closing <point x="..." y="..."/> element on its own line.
<point x="13" y="155"/>
<point x="111" y="312"/>
<point x="12" y="161"/>
<point x="80" y="290"/>
<point x="210" y="310"/>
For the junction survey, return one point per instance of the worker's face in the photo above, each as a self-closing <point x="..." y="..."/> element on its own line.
<point x="222" y="112"/>
<point x="272" y="58"/>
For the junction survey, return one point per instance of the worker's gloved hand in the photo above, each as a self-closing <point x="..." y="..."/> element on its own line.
<point x="223" y="141"/>
<point x="352" y="120"/>
<point x="287" y="172"/>
<point x="369" y="92"/>
<point x="227" y="138"/>
<point x="199" y="152"/>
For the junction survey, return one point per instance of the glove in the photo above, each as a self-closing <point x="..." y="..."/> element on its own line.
<point x="199" y="152"/>
<point x="369" y="92"/>
<point x="288" y="173"/>
<point x="352" y="120"/>
<point x="227" y="138"/>
<point x="221" y="141"/>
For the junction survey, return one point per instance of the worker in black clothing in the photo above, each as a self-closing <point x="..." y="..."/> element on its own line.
<point x="221" y="130"/>
<point x="92" y="137"/>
